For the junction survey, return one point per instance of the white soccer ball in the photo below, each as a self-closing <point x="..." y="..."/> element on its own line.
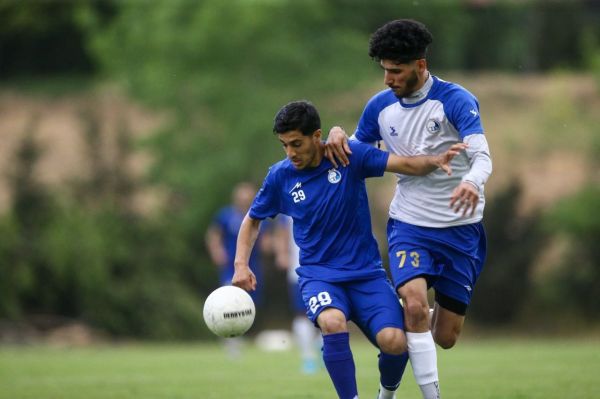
<point x="229" y="311"/>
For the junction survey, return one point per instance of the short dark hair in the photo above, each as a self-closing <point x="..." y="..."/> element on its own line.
<point x="297" y="115"/>
<point x="401" y="41"/>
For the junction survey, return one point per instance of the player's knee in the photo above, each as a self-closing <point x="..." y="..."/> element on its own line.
<point x="417" y="314"/>
<point x="332" y="322"/>
<point x="392" y="341"/>
<point x="445" y="339"/>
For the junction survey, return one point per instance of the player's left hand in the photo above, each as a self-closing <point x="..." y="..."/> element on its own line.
<point x="244" y="278"/>
<point x="464" y="198"/>
<point x="337" y="148"/>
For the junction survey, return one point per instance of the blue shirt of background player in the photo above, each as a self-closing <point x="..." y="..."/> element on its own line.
<point x="332" y="222"/>
<point x="229" y="220"/>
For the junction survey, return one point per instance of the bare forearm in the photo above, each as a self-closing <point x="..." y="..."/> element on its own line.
<point x="245" y="242"/>
<point x="424" y="164"/>
<point x="414" y="166"/>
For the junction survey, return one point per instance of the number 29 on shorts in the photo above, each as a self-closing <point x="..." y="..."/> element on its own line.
<point x="321" y="299"/>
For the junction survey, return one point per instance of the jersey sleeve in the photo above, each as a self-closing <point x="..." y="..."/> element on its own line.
<point x="463" y="112"/>
<point x="368" y="160"/>
<point x="267" y="202"/>
<point x="367" y="129"/>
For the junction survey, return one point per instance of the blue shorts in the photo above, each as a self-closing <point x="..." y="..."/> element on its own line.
<point x="371" y="304"/>
<point x="449" y="258"/>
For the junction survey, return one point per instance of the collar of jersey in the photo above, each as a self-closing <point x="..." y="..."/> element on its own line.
<point x="325" y="164"/>
<point x="422" y="94"/>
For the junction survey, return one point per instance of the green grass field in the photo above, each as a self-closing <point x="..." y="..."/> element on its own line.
<point x="474" y="369"/>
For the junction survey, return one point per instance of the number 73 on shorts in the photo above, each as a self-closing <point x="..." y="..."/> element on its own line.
<point x="413" y="258"/>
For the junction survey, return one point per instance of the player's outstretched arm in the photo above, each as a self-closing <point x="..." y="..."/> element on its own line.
<point x="423" y="164"/>
<point x="243" y="276"/>
<point x="336" y="147"/>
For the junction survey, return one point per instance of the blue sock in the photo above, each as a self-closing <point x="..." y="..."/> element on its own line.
<point x="340" y="364"/>
<point x="391" y="369"/>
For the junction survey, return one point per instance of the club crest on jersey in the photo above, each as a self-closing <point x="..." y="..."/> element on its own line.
<point x="334" y="176"/>
<point x="433" y="126"/>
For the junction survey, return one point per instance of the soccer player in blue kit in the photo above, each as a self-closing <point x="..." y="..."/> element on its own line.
<point x="341" y="275"/>
<point x="435" y="235"/>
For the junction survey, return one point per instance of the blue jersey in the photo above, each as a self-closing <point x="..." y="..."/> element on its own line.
<point x="329" y="206"/>
<point x="229" y="219"/>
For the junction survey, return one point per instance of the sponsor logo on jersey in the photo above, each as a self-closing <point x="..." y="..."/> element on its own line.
<point x="474" y="112"/>
<point x="297" y="185"/>
<point x="433" y="126"/>
<point x="334" y="176"/>
<point x="393" y="131"/>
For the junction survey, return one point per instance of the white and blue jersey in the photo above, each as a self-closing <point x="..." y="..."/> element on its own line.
<point x="330" y="210"/>
<point x="425" y="236"/>
<point x="427" y="123"/>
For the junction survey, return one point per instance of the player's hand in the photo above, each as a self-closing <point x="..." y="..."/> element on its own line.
<point x="464" y="198"/>
<point x="336" y="147"/>
<point x="444" y="159"/>
<point x="244" y="278"/>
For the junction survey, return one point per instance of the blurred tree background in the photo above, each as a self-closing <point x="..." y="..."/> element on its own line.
<point x="214" y="73"/>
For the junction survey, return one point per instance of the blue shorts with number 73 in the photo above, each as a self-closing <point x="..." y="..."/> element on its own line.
<point x="450" y="258"/>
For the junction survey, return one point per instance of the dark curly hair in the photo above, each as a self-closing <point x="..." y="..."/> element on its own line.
<point x="401" y="41"/>
<point x="297" y="115"/>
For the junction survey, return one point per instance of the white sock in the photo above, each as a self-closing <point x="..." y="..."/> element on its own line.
<point x="385" y="394"/>
<point x="431" y="390"/>
<point x="423" y="359"/>
<point x="233" y="346"/>
<point x="305" y="334"/>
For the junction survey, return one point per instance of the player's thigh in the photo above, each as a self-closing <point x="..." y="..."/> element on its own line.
<point x="446" y="326"/>
<point x="409" y="255"/>
<point x="414" y="290"/>
<point x="320" y="295"/>
<point x="415" y="304"/>
<point x="375" y="306"/>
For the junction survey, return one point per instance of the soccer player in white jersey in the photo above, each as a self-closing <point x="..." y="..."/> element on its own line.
<point x="435" y="236"/>
<point x="341" y="275"/>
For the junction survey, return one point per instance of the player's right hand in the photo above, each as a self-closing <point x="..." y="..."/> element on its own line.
<point x="336" y="147"/>
<point x="445" y="158"/>
<point x="244" y="278"/>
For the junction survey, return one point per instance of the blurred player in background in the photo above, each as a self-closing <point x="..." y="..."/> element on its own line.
<point x="435" y="235"/>
<point x="341" y="275"/>
<point x="221" y="238"/>
<point x="287" y="257"/>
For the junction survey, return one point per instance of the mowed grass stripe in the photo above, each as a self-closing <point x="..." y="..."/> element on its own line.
<point x="474" y="369"/>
